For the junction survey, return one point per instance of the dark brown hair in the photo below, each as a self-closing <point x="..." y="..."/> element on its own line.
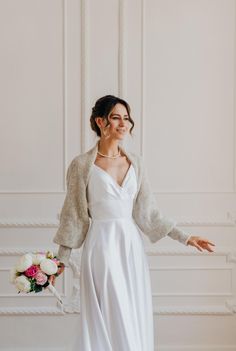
<point x="103" y="108"/>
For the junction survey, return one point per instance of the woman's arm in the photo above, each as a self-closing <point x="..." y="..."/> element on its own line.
<point x="154" y="224"/>
<point x="180" y="235"/>
<point x="63" y="254"/>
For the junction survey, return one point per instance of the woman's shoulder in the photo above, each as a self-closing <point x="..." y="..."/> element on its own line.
<point x="135" y="157"/>
<point x="81" y="160"/>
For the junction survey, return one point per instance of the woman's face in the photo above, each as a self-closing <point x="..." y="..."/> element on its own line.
<point x="119" y="123"/>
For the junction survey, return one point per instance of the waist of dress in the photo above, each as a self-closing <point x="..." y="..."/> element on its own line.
<point x="111" y="209"/>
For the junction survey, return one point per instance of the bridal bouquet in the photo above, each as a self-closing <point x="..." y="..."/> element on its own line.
<point x="32" y="272"/>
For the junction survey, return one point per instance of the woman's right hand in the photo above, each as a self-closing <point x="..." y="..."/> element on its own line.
<point x="59" y="271"/>
<point x="61" y="268"/>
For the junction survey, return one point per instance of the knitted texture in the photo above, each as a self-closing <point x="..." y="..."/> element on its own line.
<point x="74" y="216"/>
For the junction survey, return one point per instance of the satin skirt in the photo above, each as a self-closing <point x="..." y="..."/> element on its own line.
<point x="116" y="312"/>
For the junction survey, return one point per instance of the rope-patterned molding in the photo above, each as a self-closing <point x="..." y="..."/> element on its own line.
<point x="201" y="347"/>
<point x="72" y="303"/>
<point x="193" y="310"/>
<point x="153" y="250"/>
<point x="15" y="252"/>
<point x="33" y="223"/>
<point x="189" y="294"/>
<point x="164" y="310"/>
<point x="210" y="223"/>
<point x="40" y="222"/>
<point x="150" y="251"/>
<point x="44" y="310"/>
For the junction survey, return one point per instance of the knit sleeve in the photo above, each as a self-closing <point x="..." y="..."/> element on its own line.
<point x="68" y="211"/>
<point x="180" y="235"/>
<point x="149" y="217"/>
<point x="63" y="254"/>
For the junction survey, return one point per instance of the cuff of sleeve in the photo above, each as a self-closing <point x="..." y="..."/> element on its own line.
<point x="180" y="235"/>
<point x="186" y="241"/>
<point x="63" y="254"/>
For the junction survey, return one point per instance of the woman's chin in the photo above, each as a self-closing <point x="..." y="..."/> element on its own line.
<point x="121" y="136"/>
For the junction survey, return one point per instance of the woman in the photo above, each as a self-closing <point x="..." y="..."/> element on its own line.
<point x="108" y="185"/>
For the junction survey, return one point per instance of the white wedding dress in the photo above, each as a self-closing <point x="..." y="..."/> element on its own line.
<point x="115" y="289"/>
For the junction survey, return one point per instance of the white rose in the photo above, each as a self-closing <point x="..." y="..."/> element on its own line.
<point x="22" y="283"/>
<point x="37" y="258"/>
<point x="13" y="272"/>
<point x="48" y="266"/>
<point x="24" y="262"/>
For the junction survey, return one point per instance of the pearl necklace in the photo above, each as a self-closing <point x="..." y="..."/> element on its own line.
<point x="115" y="156"/>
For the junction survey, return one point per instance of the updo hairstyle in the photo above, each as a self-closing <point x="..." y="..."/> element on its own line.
<point x="103" y="108"/>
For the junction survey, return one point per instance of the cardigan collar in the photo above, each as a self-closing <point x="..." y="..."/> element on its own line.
<point x="91" y="155"/>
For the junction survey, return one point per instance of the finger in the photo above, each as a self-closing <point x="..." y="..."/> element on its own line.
<point x="198" y="246"/>
<point x="211" y="243"/>
<point x="205" y="246"/>
<point x="209" y="249"/>
<point x="207" y="241"/>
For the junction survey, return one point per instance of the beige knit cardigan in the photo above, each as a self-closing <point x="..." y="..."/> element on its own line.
<point x="74" y="216"/>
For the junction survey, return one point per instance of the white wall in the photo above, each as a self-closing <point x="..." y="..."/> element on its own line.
<point x="174" y="62"/>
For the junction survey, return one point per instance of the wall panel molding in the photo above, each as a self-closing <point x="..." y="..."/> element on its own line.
<point x="85" y="35"/>
<point x="71" y="304"/>
<point x="42" y="223"/>
<point x="64" y="113"/>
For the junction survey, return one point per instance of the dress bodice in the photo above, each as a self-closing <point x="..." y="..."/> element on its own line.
<point x="106" y="198"/>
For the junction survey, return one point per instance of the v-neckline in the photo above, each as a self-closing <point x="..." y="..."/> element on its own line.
<point x="114" y="181"/>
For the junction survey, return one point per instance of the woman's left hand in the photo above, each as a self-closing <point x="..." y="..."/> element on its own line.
<point x="200" y="243"/>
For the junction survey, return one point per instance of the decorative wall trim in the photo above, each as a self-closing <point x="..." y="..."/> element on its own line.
<point x="195" y="268"/>
<point x="15" y="348"/>
<point x="166" y="294"/>
<point x="64" y="112"/>
<point x="189" y="251"/>
<point x="71" y="304"/>
<point x="193" y="310"/>
<point x="150" y="251"/>
<point x="27" y="223"/>
<point x="143" y="102"/>
<point x="160" y="348"/>
<point x="210" y="223"/>
<point x="122" y="62"/>
<point x="32" y="310"/>
<point x="85" y="34"/>
<point x="143" y="87"/>
<point x="64" y="85"/>
<point x="164" y="310"/>
<point x="15" y="252"/>
<point x="39" y="223"/>
<point x="196" y="348"/>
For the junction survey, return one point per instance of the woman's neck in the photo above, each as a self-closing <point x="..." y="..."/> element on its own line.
<point x="109" y="148"/>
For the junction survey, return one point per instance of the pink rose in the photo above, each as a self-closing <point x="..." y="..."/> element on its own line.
<point x="31" y="271"/>
<point x="41" y="278"/>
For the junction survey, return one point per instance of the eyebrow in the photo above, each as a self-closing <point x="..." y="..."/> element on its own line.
<point x="117" y="114"/>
